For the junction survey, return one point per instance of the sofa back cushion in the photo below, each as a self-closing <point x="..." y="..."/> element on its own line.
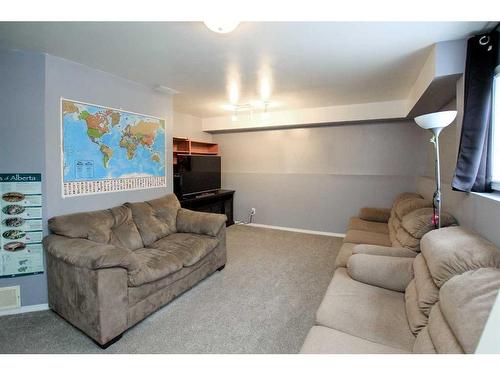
<point x="423" y="343"/>
<point x="394" y="223"/>
<point x="420" y="295"/>
<point x="124" y="231"/>
<point x="416" y="318"/>
<point x="405" y="239"/>
<point x="405" y="206"/>
<point x="404" y="196"/>
<point x="442" y="337"/>
<point x="113" y="226"/>
<point x="427" y="291"/>
<point x="419" y="222"/>
<point x="94" y="225"/>
<point x="454" y="250"/>
<point x="457" y="321"/>
<point x="156" y="218"/>
<point x="466" y="302"/>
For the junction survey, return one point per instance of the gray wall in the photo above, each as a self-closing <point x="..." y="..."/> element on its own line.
<point x="31" y="86"/>
<point x="78" y="82"/>
<point x="22" y="147"/>
<point x="479" y="212"/>
<point x="317" y="178"/>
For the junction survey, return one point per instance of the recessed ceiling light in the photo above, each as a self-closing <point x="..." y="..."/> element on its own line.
<point x="221" y="27"/>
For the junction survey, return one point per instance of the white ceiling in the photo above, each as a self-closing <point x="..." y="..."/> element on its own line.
<point x="310" y="64"/>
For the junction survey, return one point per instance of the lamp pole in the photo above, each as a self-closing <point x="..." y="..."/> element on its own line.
<point x="437" y="193"/>
<point x="435" y="122"/>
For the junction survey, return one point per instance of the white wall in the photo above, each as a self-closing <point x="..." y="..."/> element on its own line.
<point x="187" y="126"/>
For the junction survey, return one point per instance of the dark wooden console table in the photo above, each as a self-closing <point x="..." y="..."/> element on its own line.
<point x="220" y="202"/>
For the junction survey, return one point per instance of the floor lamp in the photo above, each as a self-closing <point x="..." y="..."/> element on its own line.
<point x="435" y="122"/>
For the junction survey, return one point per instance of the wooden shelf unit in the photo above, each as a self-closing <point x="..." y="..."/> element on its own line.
<point x="188" y="146"/>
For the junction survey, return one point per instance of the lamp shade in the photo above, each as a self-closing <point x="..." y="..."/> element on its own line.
<point x="436" y="119"/>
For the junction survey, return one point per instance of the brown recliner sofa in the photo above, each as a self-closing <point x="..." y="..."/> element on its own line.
<point x="436" y="302"/>
<point x="396" y="231"/>
<point x="107" y="270"/>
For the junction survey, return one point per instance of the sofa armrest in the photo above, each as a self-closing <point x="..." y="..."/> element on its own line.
<point x="95" y="301"/>
<point x="380" y="215"/>
<point x="199" y="222"/>
<point x="401" y="252"/>
<point x="387" y="272"/>
<point x="89" y="254"/>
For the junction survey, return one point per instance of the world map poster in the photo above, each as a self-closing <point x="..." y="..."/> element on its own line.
<point x="108" y="150"/>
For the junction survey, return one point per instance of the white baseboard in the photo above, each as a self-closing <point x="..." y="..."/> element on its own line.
<point x="25" y="309"/>
<point x="331" y="234"/>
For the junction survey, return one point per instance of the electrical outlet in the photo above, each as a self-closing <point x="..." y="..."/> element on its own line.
<point x="252" y="211"/>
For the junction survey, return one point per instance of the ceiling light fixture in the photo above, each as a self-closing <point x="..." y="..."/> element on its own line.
<point x="250" y="108"/>
<point x="222" y="27"/>
<point x="265" y="114"/>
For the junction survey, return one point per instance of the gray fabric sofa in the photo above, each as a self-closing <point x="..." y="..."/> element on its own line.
<point x="386" y="302"/>
<point x="400" y="228"/>
<point x="107" y="270"/>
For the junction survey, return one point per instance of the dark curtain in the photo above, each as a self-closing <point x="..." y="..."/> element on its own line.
<point x="473" y="165"/>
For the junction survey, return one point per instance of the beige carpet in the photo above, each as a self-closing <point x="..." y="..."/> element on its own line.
<point x="264" y="301"/>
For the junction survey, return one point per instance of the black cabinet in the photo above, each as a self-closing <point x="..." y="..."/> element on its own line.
<point x="219" y="202"/>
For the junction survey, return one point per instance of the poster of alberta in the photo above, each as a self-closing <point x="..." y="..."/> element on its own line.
<point x="106" y="149"/>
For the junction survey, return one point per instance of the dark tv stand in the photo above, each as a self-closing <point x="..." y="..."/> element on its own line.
<point x="219" y="202"/>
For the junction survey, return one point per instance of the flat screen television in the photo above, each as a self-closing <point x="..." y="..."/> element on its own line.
<point x="197" y="174"/>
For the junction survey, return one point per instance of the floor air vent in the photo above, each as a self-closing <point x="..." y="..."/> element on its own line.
<point x="10" y="297"/>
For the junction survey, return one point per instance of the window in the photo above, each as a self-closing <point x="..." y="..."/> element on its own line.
<point x="495" y="170"/>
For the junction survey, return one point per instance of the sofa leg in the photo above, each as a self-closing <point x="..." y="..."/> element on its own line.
<point x="221" y="267"/>
<point x="111" y="342"/>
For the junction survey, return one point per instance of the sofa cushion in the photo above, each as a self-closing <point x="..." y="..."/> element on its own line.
<point x="394" y="224"/>
<point x="384" y="250"/>
<point x="365" y="311"/>
<point x="403" y="238"/>
<point x="189" y="248"/>
<point x="155" y="219"/>
<point x="423" y="343"/>
<point x="441" y="334"/>
<point x="416" y="318"/>
<point x="394" y="273"/>
<point x="419" y="222"/>
<point x="172" y="282"/>
<point x="154" y="264"/>
<point x="454" y="250"/>
<point x="372" y="238"/>
<point x="344" y="253"/>
<point x="323" y="340"/>
<point x="113" y="226"/>
<point x="405" y="206"/>
<point x="403" y="196"/>
<point x="375" y="214"/>
<point x="369" y="226"/>
<point x="466" y="302"/>
<point x="427" y="291"/>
